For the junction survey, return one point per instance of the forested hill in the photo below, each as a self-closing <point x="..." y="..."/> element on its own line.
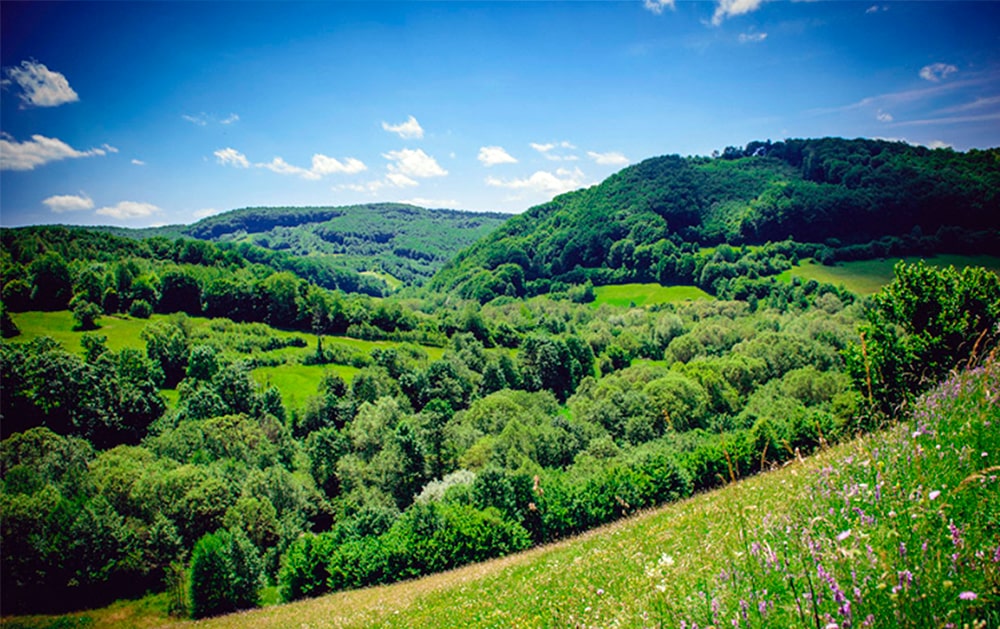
<point x="406" y="242"/>
<point x="851" y="199"/>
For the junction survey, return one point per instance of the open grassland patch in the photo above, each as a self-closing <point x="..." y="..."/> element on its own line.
<point x="865" y="277"/>
<point x="297" y="383"/>
<point x="626" y="295"/>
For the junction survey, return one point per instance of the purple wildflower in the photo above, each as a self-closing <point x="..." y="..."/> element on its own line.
<point x="968" y="596"/>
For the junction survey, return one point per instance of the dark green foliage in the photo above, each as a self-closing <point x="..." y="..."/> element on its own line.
<point x="225" y="574"/>
<point x="919" y="327"/>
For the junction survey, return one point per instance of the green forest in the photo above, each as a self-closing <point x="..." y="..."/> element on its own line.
<point x="483" y="401"/>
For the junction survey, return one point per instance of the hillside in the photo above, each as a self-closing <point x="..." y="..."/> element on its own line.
<point x="828" y="198"/>
<point x="406" y="242"/>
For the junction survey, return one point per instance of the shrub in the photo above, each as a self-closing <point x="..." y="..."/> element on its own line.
<point x="226" y="574"/>
<point x="140" y="309"/>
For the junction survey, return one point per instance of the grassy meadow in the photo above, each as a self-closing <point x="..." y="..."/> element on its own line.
<point x="865" y="277"/>
<point x="894" y="529"/>
<point x="626" y="295"/>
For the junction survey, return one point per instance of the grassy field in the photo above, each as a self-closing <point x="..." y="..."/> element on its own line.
<point x="122" y="331"/>
<point x="895" y="529"/>
<point x="865" y="277"/>
<point x="297" y="383"/>
<point x="626" y="295"/>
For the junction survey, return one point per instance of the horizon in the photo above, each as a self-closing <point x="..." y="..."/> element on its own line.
<point x="147" y="114"/>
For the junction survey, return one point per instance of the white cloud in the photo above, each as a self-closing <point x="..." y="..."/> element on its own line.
<point x="608" y="159"/>
<point x="232" y="157"/>
<point x="69" y="203"/>
<point x="230" y="119"/>
<point x="201" y="119"/>
<point x="40" y="87"/>
<point x="209" y="211"/>
<point x="414" y="163"/>
<point x="409" y="130"/>
<point x="40" y="150"/>
<point x="752" y="38"/>
<point x="562" y="180"/>
<point x="493" y="155"/>
<point x="280" y="166"/>
<point x="129" y="209"/>
<point x="323" y="165"/>
<point x="657" y="6"/>
<point x="432" y="203"/>
<point x="939" y="144"/>
<point x="876" y="9"/>
<point x="732" y="8"/>
<point x="138" y="162"/>
<point x="883" y="116"/>
<point x="546" y="151"/>
<point x="936" y="72"/>
<point x="400" y="180"/>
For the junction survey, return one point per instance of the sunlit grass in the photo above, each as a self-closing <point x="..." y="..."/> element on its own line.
<point x="865" y="277"/>
<point x="297" y="383"/>
<point x="626" y="295"/>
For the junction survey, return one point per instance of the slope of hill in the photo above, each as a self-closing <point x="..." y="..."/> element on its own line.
<point x="893" y="529"/>
<point x="407" y="242"/>
<point x="852" y="199"/>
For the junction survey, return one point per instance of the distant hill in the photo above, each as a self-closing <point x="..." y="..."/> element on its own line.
<point x="850" y="199"/>
<point x="406" y="242"/>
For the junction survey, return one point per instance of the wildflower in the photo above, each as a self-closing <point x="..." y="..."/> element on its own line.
<point x="934" y="494"/>
<point x="968" y="596"/>
<point x="844" y="535"/>
<point x="600" y="591"/>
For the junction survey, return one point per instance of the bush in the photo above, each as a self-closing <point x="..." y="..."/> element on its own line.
<point x="226" y="574"/>
<point x="140" y="309"/>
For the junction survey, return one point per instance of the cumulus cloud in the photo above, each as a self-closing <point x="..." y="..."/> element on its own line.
<point x="400" y="180"/>
<point x="69" y="203"/>
<point x="731" y="8"/>
<point x="562" y="180"/>
<point x="138" y="162"/>
<point x="752" y="38"/>
<point x="493" y="155"/>
<point x="280" y="166"/>
<point x="40" y="87"/>
<point x="657" y="6"/>
<point x="936" y="72"/>
<point x="939" y="144"/>
<point x="883" y="116"/>
<point x="608" y="159"/>
<point x="414" y="163"/>
<point x="546" y="151"/>
<point x="129" y="209"/>
<point x="409" y="130"/>
<point x="232" y="157"/>
<point x="324" y="165"/>
<point x="40" y="150"/>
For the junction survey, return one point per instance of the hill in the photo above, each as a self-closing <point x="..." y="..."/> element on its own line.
<point x="662" y="219"/>
<point x="406" y="242"/>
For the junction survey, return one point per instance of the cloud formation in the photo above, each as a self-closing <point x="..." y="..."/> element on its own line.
<point x="138" y="162"/>
<point x="40" y="87"/>
<point x="129" y="209"/>
<point x="40" y="150"/>
<point x="608" y="159"/>
<point x="409" y="130"/>
<point x="752" y="38"/>
<point x="203" y="120"/>
<point x="546" y="151"/>
<point x="883" y="116"/>
<point x="731" y="8"/>
<point x="493" y="155"/>
<point x="69" y="203"/>
<point x="937" y="72"/>
<point x="414" y="163"/>
<point x="562" y="180"/>
<point x="232" y="157"/>
<point x="657" y="6"/>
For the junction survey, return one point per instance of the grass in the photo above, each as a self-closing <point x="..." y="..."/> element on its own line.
<point x="894" y="529"/>
<point x="121" y="331"/>
<point x="627" y="295"/>
<point x="297" y="383"/>
<point x="866" y="277"/>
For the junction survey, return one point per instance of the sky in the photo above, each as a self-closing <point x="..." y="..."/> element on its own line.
<point x="145" y="113"/>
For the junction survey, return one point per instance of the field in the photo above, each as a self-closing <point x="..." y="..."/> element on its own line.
<point x="892" y="529"/>
<point x="295" y="381"/>
<point x="626" y="295"/>
<point x="865" y="277"/>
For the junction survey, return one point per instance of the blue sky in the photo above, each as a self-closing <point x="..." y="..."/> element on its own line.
<point x="142" y="114"/>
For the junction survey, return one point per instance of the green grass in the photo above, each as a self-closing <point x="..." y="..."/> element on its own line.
<point x="899" y="524"/>
<point x="627" y="295"/>
<point x="122" y="331"/>
<point x="865" y="277"/>
<point x="297" y="383"/>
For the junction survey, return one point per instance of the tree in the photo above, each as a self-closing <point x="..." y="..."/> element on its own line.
<point x="167" y="346"/>
<point x="51" y="284"/>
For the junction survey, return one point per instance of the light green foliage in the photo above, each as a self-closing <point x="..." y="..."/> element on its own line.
<point x="225" y="574"/>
